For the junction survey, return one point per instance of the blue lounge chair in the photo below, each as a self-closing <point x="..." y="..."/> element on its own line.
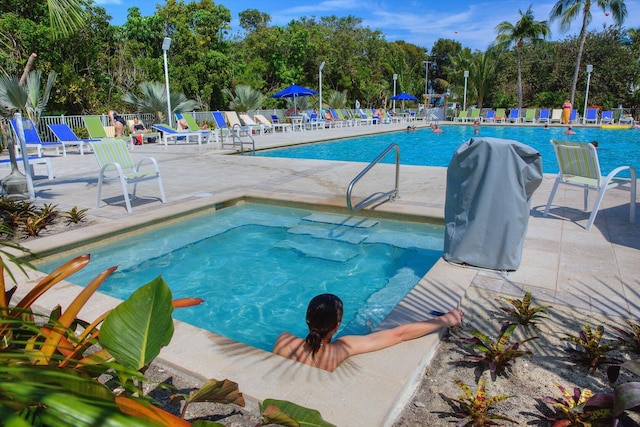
<point x="544" y="116"/>
<point x="67" y="138"/>
<point x="591" y="116"/>
<point x="607" y="117"/>
<point x="573" y="116"/>
<point x="514" y="115"/>
<point x="112" y="155"/>
<point x="489" y="117"/>
<point x="32" y="139"/>
<point x="174" y="134"/>
<point x="33" y="160"/>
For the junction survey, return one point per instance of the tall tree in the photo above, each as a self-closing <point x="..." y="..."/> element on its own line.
<point x="568" y="10"/>
<point x="527" y="29"/>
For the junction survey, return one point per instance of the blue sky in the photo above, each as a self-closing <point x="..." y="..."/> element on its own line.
<point x="416" y="21"/>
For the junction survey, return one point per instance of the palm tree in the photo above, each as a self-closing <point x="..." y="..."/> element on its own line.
<point x="154" y="101"/>
<point x="526" y="29"/>
<point x="65" y="16"/>
<point x="568" y="10"/>
<point x="244" y="99"/>
<point x="25" y="97"/>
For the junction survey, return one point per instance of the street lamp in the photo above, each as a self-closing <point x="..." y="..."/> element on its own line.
<point x="586" y="96"/>
<point x="166" y="43"/>
<point x="320" y="86"/>
<point x="426" y="84"/>
<point x="464" y="104"/>
<point x="395" y="78"/>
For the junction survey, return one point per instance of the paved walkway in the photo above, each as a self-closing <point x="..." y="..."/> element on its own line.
<point x="561" y="262"/>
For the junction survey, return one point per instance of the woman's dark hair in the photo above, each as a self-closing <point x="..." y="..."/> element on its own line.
<point x="323" y="314"/>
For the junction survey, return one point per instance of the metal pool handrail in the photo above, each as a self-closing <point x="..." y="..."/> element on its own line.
<point x="391" y="194"/>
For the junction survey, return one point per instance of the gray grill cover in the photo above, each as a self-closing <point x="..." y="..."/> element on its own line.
<point x="490" y="182"/>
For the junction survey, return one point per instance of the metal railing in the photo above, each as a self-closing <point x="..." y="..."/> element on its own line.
<point x="390" y="195"/>
<point x="238" y="135"/>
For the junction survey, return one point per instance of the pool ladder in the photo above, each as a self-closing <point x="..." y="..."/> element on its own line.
<point x="390" y="195"/>
<point x="241" y="136"/>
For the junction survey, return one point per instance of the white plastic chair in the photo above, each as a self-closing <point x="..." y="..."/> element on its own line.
<point x="579" y="167"/>
<point x="112" y="154"/>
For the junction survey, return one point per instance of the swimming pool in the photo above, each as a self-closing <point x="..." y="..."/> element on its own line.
<point x="425" y="148"/>
<point x="257" y="266"/>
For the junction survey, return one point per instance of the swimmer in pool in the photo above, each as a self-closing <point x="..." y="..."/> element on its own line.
<point x="324" y="315"/>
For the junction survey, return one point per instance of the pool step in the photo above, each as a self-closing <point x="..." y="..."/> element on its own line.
<point x="343" y="220"/>
<point x="309" y="247"/>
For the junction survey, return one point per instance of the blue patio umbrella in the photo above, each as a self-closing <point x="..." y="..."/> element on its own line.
<point x="294" y="91"/>
<point x="404" y="97"/>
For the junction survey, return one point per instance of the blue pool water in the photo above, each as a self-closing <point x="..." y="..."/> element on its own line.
<point x="257" y="266"/>
<point x="425" y="148"/>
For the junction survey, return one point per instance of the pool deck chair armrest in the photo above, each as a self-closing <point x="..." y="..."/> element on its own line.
<point x="579" y="167"/>
<point x="112" y="155"/>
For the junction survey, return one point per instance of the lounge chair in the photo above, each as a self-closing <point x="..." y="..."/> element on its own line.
<point x="489" y="117"/>
<point x="556" y="115"/>
<point x="573" y="116"/>
<point x="236" y="125"/>
<point x="98" y="131"/>
<point x="462" y="116"/>
<point x="193" y="126"/>
<point x="169" y="133"/>
<point x="134" y="135"/>
<point x="500" y="116"/>
<point x="514" y="115"/>
<point x="314" y="122"/>
<point x="364" y="118"/>
<point x="268" y="126"/>
<point x="591" y="116"/>
<point x="32" y="138"/>
<point x="530" y="115"/>
<point x="607" y="118"/>
<point x="256" y="127"/>
<point x="33" y="160"/>
<point x="69" y="139"/>
<point x="112" y="155"/>
<point x="544" y="116"/>
<point x="474" y="115"/>
<point x="275" y="122"/>
<point x="579" y="167"/>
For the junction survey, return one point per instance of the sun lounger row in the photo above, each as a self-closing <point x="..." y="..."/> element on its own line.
<point x="532" y="115"/>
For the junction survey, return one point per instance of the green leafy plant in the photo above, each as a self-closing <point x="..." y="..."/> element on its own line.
<point x="570" y="409"/>
<point x="284" y="413"/>
<point x="499" y="354"/>
<point x="475" y="409"/>
<point x="522" y="311"/>
<point x="75" y="215"/>
<point x="589" y="348"/>
<point x="630" y="338"/>
<point x="33" y="223"/>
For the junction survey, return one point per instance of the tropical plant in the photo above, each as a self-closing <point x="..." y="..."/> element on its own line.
<point x="522" y="311"/>
<point x="590" y="350"/>
<point x="75" y="215"/>
<point x="153" y="100"/>
<point x="244" y="98"/>
<point x="630" y="338"/>
<point x="496" y="355"/>
<point x="475" y="409"/>
<point x="567" y="10"/>
<point x="284" y="413"/>
<point x="336" y="99"/>
<point x="527" y="29"/>
<point x="570" y="409"/>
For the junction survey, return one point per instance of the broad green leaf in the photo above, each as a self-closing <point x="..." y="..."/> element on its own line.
<point x="627" y="396"/>
<point x="303" y="416"/>
<point x="219" y="392"/>
<point x="135" y="331"/>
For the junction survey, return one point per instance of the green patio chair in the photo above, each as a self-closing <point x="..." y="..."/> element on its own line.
<point x="112" y="155"/>
<point x="474" y="115"/>
<point x="500" y="116"/>
<point x="462" y="116"/>
<point x="579" y="167"/>
<point x="530" y="115"/>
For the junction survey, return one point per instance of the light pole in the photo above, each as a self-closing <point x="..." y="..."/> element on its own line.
<point x="166" y="43"/>
<point x="426" y="84"/>
<point x="586" y="96"/>
<point x="395" y="78"/>
<point x="464" y="104"/>
<point x="320" y="87"/>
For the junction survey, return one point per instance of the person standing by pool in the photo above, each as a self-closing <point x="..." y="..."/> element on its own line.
<point x="117" y="122"/>
<point x="566" y="111"/>
<point x="324" y="315"/>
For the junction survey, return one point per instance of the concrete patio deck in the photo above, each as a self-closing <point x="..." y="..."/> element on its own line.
<point x="562" y="263"/>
